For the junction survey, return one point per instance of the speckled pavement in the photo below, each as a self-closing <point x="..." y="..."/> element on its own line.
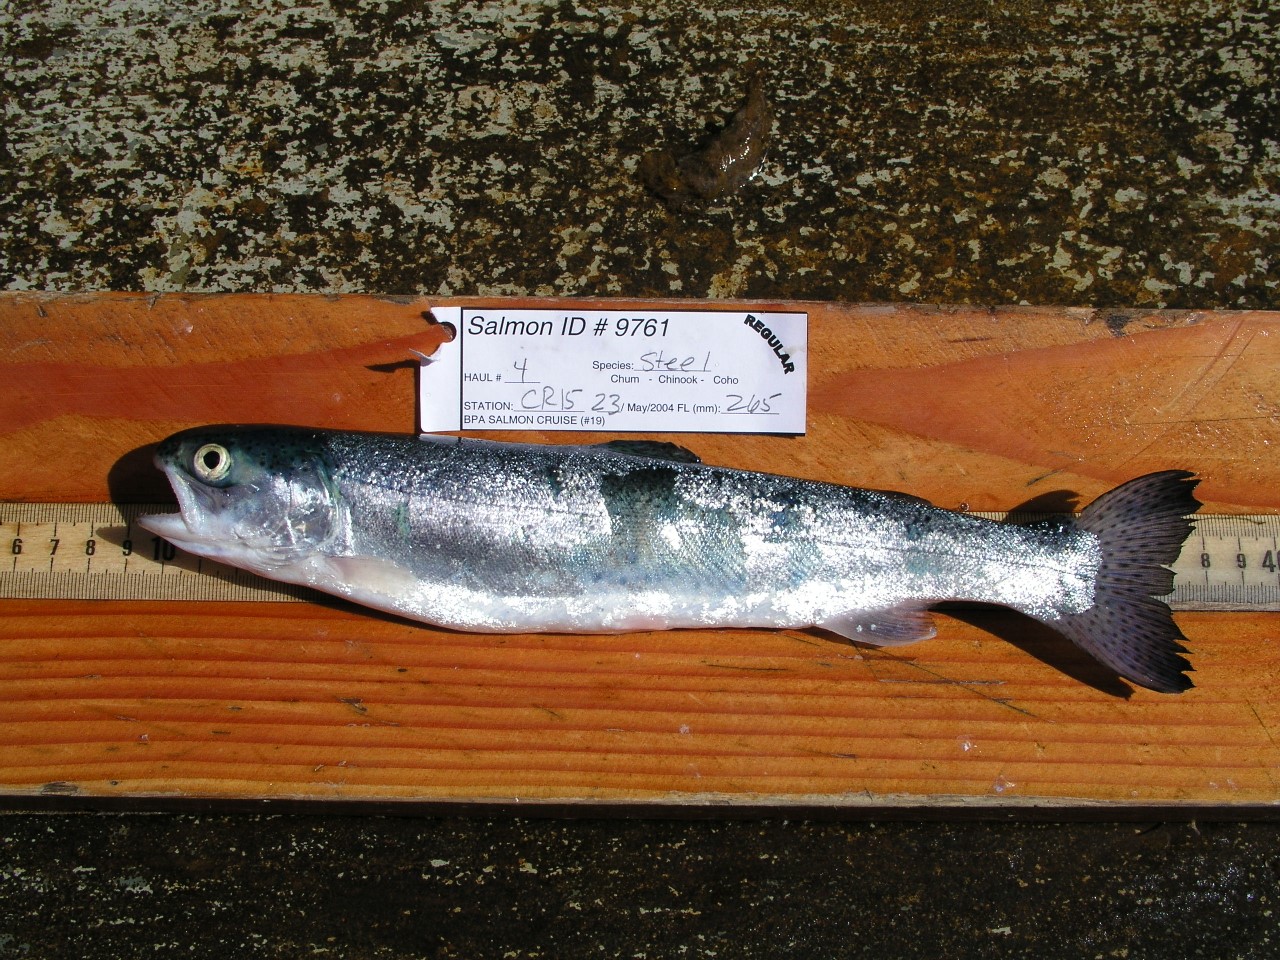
<point x="1115" y="153"/>
<point x="367" y="887"/>
<point x="1120" y="153"/>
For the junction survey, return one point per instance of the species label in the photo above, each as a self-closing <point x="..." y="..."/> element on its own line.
<point x="641" y="370"/>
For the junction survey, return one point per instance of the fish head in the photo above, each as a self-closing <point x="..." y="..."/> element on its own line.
<point x="262" y="498"/>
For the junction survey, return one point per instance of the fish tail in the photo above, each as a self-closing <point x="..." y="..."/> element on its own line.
<point x="1141" y="526"/>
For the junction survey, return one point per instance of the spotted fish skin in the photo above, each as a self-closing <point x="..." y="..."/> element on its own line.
<point x="502" y="537"/>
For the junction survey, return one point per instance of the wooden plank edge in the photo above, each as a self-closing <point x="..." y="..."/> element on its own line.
<point x="66" y="798"/>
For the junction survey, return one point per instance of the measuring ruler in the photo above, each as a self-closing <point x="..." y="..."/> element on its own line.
<point x="95" y="551"/>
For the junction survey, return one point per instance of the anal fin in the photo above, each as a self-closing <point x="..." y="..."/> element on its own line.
<point x="884" y="628"/>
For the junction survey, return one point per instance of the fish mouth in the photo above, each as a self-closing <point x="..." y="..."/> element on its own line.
<point x="205" y="524"/>
<point x="181" y="528"/>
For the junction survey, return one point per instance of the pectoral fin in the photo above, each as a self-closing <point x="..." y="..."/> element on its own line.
<point x="884" y="628"/>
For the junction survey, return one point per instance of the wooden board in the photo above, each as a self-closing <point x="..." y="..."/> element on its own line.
<point x="968" y="407"/>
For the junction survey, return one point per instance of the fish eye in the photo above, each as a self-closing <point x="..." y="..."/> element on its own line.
<point x="211" y="463"/>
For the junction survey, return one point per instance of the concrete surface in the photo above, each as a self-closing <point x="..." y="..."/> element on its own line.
<point x="1080" y="153"/>
<point x="1117" y="153"/>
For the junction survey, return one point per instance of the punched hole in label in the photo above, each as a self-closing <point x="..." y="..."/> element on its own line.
<point x="450" y="330"/>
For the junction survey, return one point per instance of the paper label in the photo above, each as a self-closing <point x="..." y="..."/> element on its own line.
<point x="635" y="370"/>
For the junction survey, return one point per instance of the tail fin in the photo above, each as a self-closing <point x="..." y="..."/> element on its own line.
<point x="1140" y="526"/>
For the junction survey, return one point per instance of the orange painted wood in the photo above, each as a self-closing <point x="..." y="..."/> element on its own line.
<point x="965" y="406"/>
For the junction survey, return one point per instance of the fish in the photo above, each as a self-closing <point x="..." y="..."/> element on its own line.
<point x="730" y="159"/>
<point x="638" y="535"/>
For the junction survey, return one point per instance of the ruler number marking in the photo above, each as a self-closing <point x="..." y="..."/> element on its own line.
<point x="163" y="551"/>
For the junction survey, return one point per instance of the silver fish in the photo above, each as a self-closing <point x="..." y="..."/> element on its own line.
<point x="635" y="535"/>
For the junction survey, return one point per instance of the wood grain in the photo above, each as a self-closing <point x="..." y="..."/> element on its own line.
<point x="965" y="406"/>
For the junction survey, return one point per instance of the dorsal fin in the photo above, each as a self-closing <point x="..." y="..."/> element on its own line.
<point x="654" y="449"/>
<point x="904" y="497"/>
